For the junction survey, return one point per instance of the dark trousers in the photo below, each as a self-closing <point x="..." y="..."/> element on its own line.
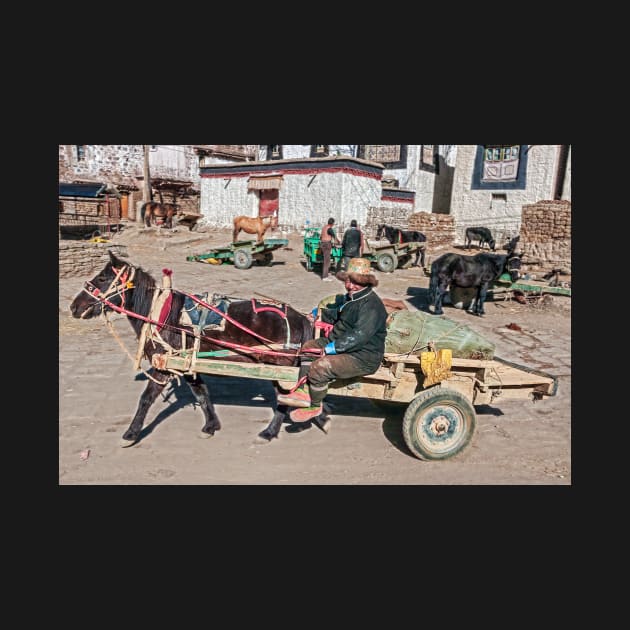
<point x="326" y="247"/>
<point x="331" y="367"/>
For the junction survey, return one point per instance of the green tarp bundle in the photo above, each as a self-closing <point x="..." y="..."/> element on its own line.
<point x="411" y="332"/>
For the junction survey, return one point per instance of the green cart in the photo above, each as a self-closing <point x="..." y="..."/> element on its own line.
<point x="313" y="252"/>
<point x="242" y="253"/>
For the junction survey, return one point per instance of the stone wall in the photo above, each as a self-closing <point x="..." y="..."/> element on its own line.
<point x="438" y="228"/>
<point x="396" y="215"/>
<point x="85" y="259"/>
<point x="545" y="235"/>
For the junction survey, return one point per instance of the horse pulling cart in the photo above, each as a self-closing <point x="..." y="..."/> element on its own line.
<point x="386" y="256"/>
<point x="242" y="253"/>
<point x="438" y="389"/>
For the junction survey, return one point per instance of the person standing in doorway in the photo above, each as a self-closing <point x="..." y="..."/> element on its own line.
<point x="326" y="240"/>
<point x="352" y="244"/>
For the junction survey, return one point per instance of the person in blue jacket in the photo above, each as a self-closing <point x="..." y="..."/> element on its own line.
<point x="355" y="345"/>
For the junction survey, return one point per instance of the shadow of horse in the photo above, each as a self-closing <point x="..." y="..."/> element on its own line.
<point x="225" y="391"/>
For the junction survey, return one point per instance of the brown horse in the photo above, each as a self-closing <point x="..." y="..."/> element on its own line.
<point x="258" y="226"/>
<point x="156" y="213"/>
<point x="120" y="285"/>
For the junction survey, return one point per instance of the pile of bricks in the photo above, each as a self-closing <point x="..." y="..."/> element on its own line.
<point x="438" y="228"/>
<point x="546" y="235"/>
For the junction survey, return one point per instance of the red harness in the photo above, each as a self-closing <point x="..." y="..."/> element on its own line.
<point x="275" y="307"/>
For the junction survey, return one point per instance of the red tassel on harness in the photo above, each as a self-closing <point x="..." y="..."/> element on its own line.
<point x="167" y="272"/>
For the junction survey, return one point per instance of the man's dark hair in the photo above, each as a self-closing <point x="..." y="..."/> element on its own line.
<point x="331" y="221"/>
<point x="353" y="223"/>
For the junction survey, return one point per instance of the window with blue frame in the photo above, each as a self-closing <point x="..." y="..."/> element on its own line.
<point x="500" y="166"/>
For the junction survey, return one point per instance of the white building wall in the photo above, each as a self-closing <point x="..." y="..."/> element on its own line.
<point x="477" y="207"/>
<point x="311" y="198"/>
<point x="566" y="189"/>
<point x="176" y="160"/>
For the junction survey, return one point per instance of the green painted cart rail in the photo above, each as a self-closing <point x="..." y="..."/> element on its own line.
<point x="505" y="281"/>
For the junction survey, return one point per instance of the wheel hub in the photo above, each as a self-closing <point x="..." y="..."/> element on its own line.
<point x="440" y="425"/>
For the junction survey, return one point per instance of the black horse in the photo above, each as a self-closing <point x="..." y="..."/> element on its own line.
<point x="396" y="235"/>
<point x="134" y="290"/>
<point x="469" y="271"/>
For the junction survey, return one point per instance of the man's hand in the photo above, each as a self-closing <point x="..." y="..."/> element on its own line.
<point x="312" y="346"/>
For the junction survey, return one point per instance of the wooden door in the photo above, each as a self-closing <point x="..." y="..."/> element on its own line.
<point x="269" y="204"/>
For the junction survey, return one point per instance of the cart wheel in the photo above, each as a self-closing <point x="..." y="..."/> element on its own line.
<point x="387" y="262"/>
<point x="438" y="423"/>
<point x="242" y="259"/>
<point x="266" y="260"/>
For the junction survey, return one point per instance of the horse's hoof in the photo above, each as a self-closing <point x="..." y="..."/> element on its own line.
<point x="323" y="424"/>
<point x="204" y="436"/>
<point x="127" y="443"/>
<point x="264" y="438"/>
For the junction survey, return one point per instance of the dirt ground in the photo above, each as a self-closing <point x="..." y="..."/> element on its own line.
<point x="515" y="443"/>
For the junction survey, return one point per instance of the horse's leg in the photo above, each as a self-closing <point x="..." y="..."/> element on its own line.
<point x="147" y="217"/>
<point x="202" y="396"/>
<point x="280" y="415"/>
<point x="481" y="298"/>
<point x="422" y="253"/>
<point x="146" y="400"/>
<point x="441" y="290"/>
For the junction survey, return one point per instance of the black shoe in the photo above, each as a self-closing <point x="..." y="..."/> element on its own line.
<point x="298" y="427"/>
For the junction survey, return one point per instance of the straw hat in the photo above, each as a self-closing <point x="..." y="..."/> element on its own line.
<point x="360" y="272"/>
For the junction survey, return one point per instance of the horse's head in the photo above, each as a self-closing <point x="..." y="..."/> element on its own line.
<point x="111" y="283"/>
<point x="512" y="266"/>
<point x="492" y="244"/>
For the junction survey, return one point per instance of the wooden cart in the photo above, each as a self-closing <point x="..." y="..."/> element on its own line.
<point x="242" y="253"/>
<point x="387" y="256"/>
<point x="384" y="255"/>
<point x="438" y="389"/>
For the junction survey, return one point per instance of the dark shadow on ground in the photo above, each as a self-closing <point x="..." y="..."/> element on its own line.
<point x="223" y="391"/>
<point x="487" y="410"/>
<point x="418" y="298"/>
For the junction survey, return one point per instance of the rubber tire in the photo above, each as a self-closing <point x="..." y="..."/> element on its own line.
<point x="387" y="262"/>
<point x="266" y="260"/>
<point x="428" y="406"/>
<point x="242" y="259"/>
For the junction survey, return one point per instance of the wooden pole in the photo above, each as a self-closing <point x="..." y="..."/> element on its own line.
<point x="146" y="184"/>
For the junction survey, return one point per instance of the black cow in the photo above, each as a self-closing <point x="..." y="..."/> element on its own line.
<point x="469" y="271"/>
<point x="482" y="234"/>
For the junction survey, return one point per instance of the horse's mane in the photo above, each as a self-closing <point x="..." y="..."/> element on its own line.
<point x="144" y="287"/>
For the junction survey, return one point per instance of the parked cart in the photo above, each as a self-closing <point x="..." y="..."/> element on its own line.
<point x="242" y="253"/>
<point x="386" y="256"/>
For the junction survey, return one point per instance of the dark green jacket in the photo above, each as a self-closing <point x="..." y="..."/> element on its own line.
<point x="359" y="326"/>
